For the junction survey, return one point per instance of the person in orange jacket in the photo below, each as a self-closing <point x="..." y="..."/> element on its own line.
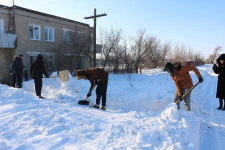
<point x="183" y="82"/>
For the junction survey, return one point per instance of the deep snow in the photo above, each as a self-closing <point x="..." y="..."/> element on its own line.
<point x="140" y="115"/>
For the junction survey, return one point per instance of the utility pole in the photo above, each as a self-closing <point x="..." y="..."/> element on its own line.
<point x="13" y="20"/>
<point x="90" y="17"/>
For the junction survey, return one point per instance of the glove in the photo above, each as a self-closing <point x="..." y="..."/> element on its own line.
<point x="181" y="98"/>
<point x="89" y="94"/>
<point x="200" y="79"/>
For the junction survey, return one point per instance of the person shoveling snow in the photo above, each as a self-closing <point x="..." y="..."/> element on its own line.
<point x="99" y="77"/>
<point x="183" y="82"/>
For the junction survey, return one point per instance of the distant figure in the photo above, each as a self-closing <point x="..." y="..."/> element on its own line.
<point x="182" y="79"/>
<point x="17" y="68"/>
<point x="99" y="77"/>
<point x="37" y="70"/>
<point x="219" y="68"/>
<point x="12" y="66"/>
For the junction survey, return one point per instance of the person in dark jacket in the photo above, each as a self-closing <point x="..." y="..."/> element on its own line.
<point x="99" y="77"/>
<point x="37" y="70"/>
<point x="12" y="66"/>
<point x="17" y="68"/>
<point x="183" y="82"/>
<point x="219" y="68"/>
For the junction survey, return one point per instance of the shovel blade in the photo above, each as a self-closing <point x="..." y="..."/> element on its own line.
<point x="83" y="102"/>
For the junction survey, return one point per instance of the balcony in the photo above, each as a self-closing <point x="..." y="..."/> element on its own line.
<point x="7" y="40"/>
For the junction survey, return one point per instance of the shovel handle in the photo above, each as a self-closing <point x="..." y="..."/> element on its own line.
<point x="53" y="76"/>
<point x="188" y="92"/>
<point x="91" y="91"/>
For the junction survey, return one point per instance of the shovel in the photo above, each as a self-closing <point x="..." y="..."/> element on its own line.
<point x="85" y="102"/>
<point x="188" y="92"/>
<point x="63" y="75"/>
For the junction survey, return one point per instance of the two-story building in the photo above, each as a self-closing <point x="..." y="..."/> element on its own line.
<point x="62" y="41"/>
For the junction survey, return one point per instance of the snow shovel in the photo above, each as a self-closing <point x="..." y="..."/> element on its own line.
<point x="63" y="75"/>
<point x="85" y="102"/>
<point x="188" y="92"/>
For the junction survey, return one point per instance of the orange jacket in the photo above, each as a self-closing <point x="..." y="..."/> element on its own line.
<point x="182" y="78"/>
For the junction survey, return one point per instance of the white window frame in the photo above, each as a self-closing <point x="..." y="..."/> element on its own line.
<point x="34" y="25"/>
<point x="2" y="25"/>
<point x="53" y="39"/>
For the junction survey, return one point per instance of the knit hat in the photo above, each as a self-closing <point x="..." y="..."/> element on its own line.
<point x="169" y="67"/>
<point x="81" y="74"/>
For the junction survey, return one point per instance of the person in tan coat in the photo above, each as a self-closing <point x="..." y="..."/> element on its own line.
<point x="99" y="77"/>
<point x="183" y="82"/>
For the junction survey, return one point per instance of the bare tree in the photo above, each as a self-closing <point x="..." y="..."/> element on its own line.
<point x="109" y="41"/>
<point x="80" y="43"/>
<point x="179" y="52"/>
<point x="198" y="56"/>
<point x="139" y="49"/>
<point x="154" y="51"/>
<point x="216" y="52"/>
<point x="210" y="59"/>
<point x="166" y="50"/>
<point x="126" y="56"/>
<point x="58" y="58"/>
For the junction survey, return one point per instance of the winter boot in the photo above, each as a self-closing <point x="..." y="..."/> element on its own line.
<point x="221" y="103"/>
<point x="41" y="97"/>
<point x="224" y="105"/>
<point x="103" y="108"/>
<point x="95" y="106"/>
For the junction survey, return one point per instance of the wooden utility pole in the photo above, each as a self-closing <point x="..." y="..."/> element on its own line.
<point x="90" y="17"/>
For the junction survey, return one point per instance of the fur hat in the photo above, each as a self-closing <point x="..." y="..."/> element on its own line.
<point x="81" y="74"/>
<point x="169" y="67"/>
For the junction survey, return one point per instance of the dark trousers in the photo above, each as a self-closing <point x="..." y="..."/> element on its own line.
<point x="19" y="80"/>
<point x="38" y="86"/>
<point x="14" y="80"/>
<point x="101" y="93"/>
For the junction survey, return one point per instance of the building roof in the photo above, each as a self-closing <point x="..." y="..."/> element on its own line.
<point x="40" y="13"/>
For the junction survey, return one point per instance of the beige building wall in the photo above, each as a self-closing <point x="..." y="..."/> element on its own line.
<point x="26" y="46"/>
<point x="29" y="47"/>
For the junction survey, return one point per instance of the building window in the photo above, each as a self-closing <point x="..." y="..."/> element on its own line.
<point x="49" y="34"/>
<point x="72" y="36"/>
<point x="32" y="59"/>
<point x="34" y="32"/>
<point x="67" y="34"/>
<point x="1" y="26"/>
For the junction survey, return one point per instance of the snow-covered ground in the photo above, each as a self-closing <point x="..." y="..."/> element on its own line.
<point x="140" y="115"/>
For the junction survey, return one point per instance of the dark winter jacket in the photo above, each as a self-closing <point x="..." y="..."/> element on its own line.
<point x="221" y="77"/>
<point x="182" y="78"/>
<point x="17" y="66"/>
<point x="38" y="68"/>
